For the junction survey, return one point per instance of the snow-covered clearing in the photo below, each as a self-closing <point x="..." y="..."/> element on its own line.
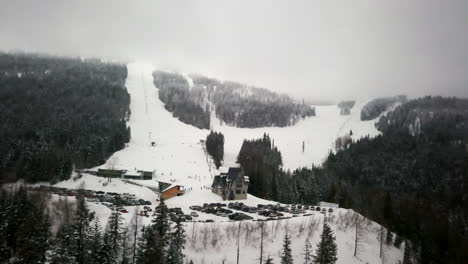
<point x="209" y="243"/>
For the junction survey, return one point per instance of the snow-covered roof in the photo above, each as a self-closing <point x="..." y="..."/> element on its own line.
<point x="223" y="169"/>
<point x="132" y="173"/>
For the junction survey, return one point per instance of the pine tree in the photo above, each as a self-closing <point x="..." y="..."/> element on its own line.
<point x="176" y="246"/>
<point x="33" y="235"/>
<point x="153" y="243"/>
<point x="269" y="260"/>
<point x="81" y="230"/>
<point x="326" y="250"/>
<point x="105" y="255"/>
<point x="95" y="242"/>
<point x="135" y="226"/>
<point x="286" y="255"/>
<point x="114" y="231"/>
<point x="63" y="247"/>
<point x="307" y="252"/>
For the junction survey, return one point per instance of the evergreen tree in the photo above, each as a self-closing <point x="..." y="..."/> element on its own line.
<point x="326" y="250"/>
<point x="114" y="232"/>
<point x="176" y="246"/>
<point x="63" y="248"/>
<point x="81" y="230"/>
<point x="33" y="236"/>
<point x="307" y="252"/>
<point x="215" y="147"/>
<point x="105" y="255"/>
<point x="269" y="260"/>
<point x="152" y="245"/>
<point x="95" y="242"/>
<point x="286" y="254"/>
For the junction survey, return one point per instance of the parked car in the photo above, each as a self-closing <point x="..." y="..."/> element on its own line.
<point x="239" y="217"/>
<point x="193" y="214"/>
<point x="196" y="207"/>
<point x="188" y="217"/>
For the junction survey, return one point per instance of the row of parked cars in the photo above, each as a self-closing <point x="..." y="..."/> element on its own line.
<point x="109" y="199"/>
<point x="271" y="211"/>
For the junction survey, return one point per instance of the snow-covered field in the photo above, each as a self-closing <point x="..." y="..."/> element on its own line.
<point x="217" y="242"/>
<point x="178" y="156"/>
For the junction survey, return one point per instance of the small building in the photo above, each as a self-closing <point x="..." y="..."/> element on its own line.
<point x="169" y="190"/>
<point x="109" y="173"/>
<point x="133" y="175"/>
<point x="331" y="205"/>
<point x="231" y="185"/>
<point x="146" y="175"/>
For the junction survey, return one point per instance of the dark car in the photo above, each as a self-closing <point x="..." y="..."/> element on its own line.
<point x="188" y="217"/>
<point x="317" y="209"/>
<point x="196" y="207"/>
<point x="239" y="217"/>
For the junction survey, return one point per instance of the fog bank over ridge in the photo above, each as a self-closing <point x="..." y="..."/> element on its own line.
<point x="309" y="49"/>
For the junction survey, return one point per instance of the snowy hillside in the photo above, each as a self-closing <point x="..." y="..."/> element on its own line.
<point x="178" y="155"/>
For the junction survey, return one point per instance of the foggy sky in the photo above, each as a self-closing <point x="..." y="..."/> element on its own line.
<point x="319" y="50"/>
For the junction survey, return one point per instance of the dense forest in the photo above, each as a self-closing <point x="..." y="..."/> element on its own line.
<point x="58" y="113"/>
<point x="376" y="107"/>
<point x="26" y="234"/>
<point x="262" y="162"/>
<point x="234" y="103"/>
<point x="415" y="173"/>
<point x="187" y="104"/>
<point x="215" y="147"/>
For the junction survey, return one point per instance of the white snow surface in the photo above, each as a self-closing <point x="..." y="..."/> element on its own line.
<point x="179" y="157"/>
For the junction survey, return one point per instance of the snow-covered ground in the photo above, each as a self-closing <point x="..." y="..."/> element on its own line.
<point x="217" y="242"/>
<point x="318" y="134"/>
<point x="179" y="156"/>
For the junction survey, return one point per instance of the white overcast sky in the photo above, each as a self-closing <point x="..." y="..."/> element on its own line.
<point x="321" y="50"/>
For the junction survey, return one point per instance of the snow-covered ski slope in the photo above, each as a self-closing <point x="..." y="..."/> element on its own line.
<point x="318" y="134"/>
<point x="178" y="155"/>
<point x="178" y="151"/>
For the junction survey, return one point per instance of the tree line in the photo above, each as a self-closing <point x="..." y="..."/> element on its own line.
<point x="376" y="107"/>
<point x="26" y="235"/>
<point x="187" y="104"/>
<point x="234" y="103"/>
<point x="59" y="113"/>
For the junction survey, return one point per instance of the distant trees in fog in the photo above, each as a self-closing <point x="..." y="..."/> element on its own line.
<point x="234" y="103"/>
